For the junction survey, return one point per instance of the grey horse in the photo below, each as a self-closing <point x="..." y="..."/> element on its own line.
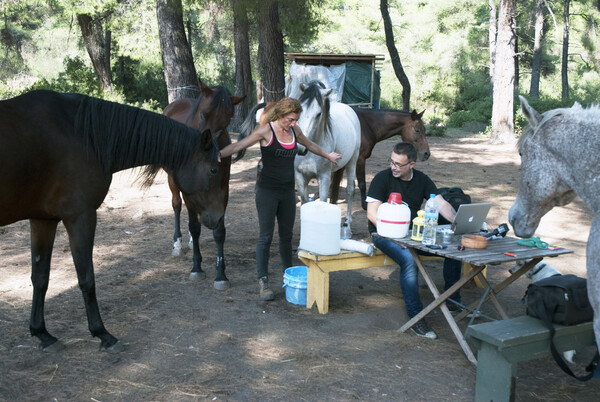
<point x="560" y="158"/>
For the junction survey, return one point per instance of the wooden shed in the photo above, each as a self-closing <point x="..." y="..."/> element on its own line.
<point x="362" y="73"/>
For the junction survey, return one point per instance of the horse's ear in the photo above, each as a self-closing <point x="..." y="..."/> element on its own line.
<point x="416" y="116"/>
<point x="237" y="99"/>
<point x="206" y="90"/>
<point x="532" y="116"/>
<point x="302" y="87"/>
<point x="328" y="92"/>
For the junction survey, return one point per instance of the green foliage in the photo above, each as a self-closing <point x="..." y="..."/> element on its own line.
<point x="139" y="81"/>
<point x="443" y="45"/>
<point x="76" y="77"/>
<point x="436" y="127"/>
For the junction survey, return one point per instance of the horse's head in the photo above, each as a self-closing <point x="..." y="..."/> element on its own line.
<point x="315" y="119"/>
<point x="542" y="186"/>
<point x="199" y="180"/>
<point x="215" y="108"/>
<point x="414" y="132"/>
<point x="214" y="111"/>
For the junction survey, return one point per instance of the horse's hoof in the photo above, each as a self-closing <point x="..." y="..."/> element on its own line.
<point x="197" y="276"/>
<point x="116" y="348"/>
<point x="177" y="249"/>
<point x="53" y="347"/>
<point x="221" y="285"/>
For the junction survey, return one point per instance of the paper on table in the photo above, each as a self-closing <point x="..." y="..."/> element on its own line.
<point x="355" y="245"/>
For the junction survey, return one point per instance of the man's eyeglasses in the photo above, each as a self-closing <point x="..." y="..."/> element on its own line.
<point x="396" y="164"/>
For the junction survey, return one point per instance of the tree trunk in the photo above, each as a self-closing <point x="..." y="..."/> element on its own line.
<point x="536" y="65"/>
<point x="492" y="32"/>
<point x="565" y="52"/>
<point x="97" y="44"/>
<point x="180" y="73"/>
<point x="271" y="53"/>
<point x="394" y="56"/>
<point x="502" y="109"/>
<point x="516" y="57"/>
<point x="243" y="70"/>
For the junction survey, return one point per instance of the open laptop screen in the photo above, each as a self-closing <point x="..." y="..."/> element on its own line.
<point x="470" y="217"/>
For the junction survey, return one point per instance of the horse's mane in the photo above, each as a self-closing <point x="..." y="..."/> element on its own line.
<point x="122" y="136"/>
<point x="312" y="92"/>
<point x="576" y="113"/>
<point x="404" y="112"/>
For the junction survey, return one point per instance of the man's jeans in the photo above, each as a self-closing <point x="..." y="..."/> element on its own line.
<point x="409" y="280"/>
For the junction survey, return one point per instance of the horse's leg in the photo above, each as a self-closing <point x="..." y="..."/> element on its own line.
<point x="336" y="179"/>
<point x="195" y="227"/>
<point x="593" y="271"/>
<point x="324" y="184"/>
<point x="350" y="186"/>
<point x="176" y="203"/>
<point x="81" y="230"/>
<point x="221" y="282"/>
<point x="302" y="187"/>
<point x="362" y="182"/>
<point x="43" y="233"/>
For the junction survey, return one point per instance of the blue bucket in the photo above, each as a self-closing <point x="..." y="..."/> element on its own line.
<point x="294" y="282"/>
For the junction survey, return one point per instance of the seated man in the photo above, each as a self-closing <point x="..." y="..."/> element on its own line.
<point x="414" y="186"/>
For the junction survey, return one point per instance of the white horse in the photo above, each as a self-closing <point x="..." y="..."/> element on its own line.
<point x="335" y="127"/>
<point x="560" y="158"/>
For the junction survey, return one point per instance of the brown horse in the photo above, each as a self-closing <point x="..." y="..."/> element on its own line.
<point x="212" y="110"/>
<point x="58" y="153"/>
<point x="378" y="125"/>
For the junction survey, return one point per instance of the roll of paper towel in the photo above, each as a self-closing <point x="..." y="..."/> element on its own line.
<point x="355" y="245"/>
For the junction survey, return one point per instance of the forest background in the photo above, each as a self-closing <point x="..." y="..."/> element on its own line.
<point x="444" y="47"/>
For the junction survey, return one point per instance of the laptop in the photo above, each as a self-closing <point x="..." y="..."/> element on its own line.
<point x="469" y="218"/>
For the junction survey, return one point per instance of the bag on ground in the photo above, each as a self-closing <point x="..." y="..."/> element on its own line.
<point x="561" y="299"/>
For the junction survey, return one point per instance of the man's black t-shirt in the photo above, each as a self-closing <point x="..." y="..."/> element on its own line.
<point x="413" y="191"/>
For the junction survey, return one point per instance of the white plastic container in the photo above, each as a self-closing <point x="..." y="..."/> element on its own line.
<point x="393" y="218"/>
<point x="320" y="228"/>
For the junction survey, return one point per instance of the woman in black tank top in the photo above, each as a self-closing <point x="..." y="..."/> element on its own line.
<point x="275" y="195"/>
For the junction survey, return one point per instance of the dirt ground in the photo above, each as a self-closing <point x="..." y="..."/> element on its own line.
<point x="185" y="341"/>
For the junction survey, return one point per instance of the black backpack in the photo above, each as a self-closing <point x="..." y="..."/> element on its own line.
<point x="455" y="196"/>
<point x="561" y="299"/>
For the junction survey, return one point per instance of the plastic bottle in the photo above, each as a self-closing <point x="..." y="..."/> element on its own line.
<point x="345" y="232"/>
<point x="431" y="218"/>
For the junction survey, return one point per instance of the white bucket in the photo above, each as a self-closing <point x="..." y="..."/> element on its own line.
<point x="320" y="227"/>
<point x="393" y="220"/>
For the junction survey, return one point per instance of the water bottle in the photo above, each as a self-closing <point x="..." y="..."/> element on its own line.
<point x="345" y="232"/>
<point x="431" y="218"/>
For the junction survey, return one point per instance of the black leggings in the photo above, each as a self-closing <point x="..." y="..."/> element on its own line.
<point x="272" y="204"/>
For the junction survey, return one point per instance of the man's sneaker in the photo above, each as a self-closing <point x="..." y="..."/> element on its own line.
<point x="266" y="294"/>
<point x="422" y="329"/>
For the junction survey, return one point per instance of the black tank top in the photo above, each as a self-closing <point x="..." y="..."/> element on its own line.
<point x="278" y="163"/>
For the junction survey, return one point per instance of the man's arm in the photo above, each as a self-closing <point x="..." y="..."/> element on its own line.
<point x="446" y="209"/>
<point x="372" y="207"/>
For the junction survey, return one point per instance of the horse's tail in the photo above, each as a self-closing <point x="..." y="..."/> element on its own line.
<point x="246" y="128"/>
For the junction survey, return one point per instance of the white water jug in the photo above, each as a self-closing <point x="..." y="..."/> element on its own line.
<point x="320" y="227"/>
<point x="393" y="217"/>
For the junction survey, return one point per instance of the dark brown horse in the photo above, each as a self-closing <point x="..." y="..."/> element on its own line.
<point x="378" y="125"/>
<point x="58" y="153"/>
<point x="212" y="110"/>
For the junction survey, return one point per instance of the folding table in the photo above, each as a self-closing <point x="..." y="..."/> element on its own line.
<point x="495" y="253"/>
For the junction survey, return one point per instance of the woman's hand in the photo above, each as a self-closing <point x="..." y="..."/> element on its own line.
<point x="333" y="157"/>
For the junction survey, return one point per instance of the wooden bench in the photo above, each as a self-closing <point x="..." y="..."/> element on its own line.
<point x="502" y="344"/>
<point x="319" y="267"/>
